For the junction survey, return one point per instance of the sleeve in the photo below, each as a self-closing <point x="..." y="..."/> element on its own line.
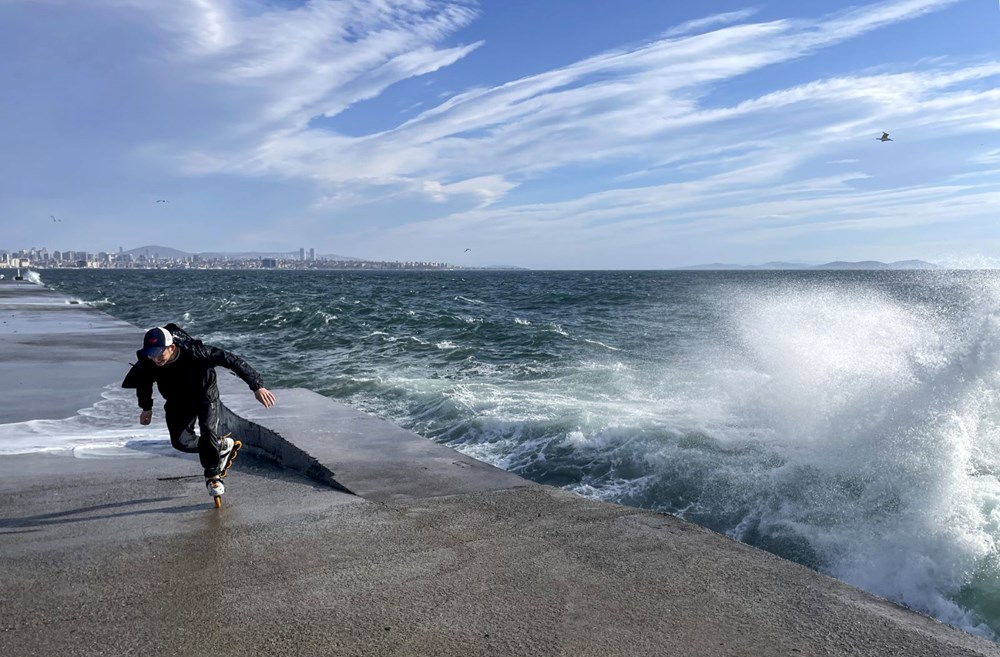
<point x="138" y="378"/>
<point x="233" y="362"/>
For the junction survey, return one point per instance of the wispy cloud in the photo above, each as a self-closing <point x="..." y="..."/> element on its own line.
<point x="607" y="108"/>
<point x="702" y="24"/>
<point x="258" y="77"/>
<point x="991" y="156"/>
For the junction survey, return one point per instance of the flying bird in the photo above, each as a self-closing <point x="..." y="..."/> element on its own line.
<point x="162" y="200"/>
<point x="884" y="137"/>
<point x="467" y="250"/>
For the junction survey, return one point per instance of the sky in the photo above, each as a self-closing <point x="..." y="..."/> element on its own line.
<point x="552" y="134"/>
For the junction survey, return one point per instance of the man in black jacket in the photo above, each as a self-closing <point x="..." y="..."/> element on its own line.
<point x="184" y="372"/>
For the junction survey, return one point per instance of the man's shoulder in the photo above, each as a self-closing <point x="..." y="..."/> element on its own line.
<point x="196" y="349"/>
<point x="178" y="332"/>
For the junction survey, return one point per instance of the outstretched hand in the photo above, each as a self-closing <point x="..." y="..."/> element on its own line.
<point x="264" y="396"/>
<point x="145" y="417"/>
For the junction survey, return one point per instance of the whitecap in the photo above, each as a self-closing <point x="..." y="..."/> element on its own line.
<point x="601" y="344"/>
<point x="555" y="328"/>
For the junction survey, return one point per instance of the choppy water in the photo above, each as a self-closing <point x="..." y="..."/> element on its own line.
<point x="844" y="420"/>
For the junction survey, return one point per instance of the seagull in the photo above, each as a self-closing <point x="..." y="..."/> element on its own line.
<point x="467" y="250"/>
<point x="161" y="200"/>
<point x="884" y="137"/>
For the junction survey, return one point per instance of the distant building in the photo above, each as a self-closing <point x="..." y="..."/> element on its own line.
<point x="302" y="254"/>
<point x="268" y="263"/>
<point x="312" y="254"/>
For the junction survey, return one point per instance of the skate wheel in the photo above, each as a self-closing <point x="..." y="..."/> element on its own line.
<point x="218" y="502"/>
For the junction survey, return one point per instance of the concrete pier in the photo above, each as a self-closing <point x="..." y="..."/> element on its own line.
<point x="342" y="534"/>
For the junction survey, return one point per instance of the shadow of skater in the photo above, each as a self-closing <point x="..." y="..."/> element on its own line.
<point x="77" y="515"/>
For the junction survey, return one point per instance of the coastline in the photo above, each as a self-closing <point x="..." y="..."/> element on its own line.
<point x="348" y="535"/>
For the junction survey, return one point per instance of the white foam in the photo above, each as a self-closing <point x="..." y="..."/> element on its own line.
<point x="100" y="303"/>
<point x="882" y="415"/>
<point x="600" y="344"/>
<point x="555" y="328"/>
<point x="111" y="423"/>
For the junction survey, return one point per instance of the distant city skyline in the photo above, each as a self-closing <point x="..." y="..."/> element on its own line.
<point x="160" y="257"/>
<point x="168" y="251"/>
<point x="564" y="134"/>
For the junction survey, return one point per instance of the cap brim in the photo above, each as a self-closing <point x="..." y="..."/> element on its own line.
<point x="153" y="351"/>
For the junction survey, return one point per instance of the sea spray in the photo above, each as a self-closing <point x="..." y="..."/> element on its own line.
<point x="880" y="413"/>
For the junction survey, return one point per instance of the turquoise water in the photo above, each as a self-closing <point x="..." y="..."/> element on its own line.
<point x="845" y="420"/>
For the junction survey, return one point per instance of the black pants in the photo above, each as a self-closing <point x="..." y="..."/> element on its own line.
<point x="181" y="417"/>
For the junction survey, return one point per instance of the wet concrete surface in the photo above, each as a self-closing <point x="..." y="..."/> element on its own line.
<point x="56" y="355"/>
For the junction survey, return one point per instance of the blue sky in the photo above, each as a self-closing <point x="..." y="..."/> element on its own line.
<point x="555" y="134"/>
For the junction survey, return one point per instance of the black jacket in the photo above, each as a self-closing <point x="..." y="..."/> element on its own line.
<point x="190" y="378"/>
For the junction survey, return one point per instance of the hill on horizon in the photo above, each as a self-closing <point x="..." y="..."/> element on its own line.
<point x="836" y="265"/>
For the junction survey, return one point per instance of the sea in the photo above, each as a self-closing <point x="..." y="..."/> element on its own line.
<point x="845" y="420"/>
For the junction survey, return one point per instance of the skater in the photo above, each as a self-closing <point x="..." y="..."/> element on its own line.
<point x="184" y="371"/>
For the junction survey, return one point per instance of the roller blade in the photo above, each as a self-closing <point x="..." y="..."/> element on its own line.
<point x="226" y="458"/>
<point x="216" y="489"/>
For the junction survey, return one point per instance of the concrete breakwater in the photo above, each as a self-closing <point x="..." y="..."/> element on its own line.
<point x="350" y="536"/>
